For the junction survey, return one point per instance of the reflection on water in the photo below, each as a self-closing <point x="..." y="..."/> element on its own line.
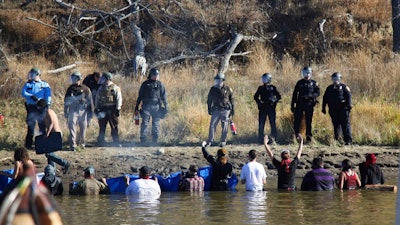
<point x="240" y="207"/>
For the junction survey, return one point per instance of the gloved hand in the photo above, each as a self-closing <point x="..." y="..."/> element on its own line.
<point x="66" y="115"/>
<point x="323" y="110"/>
<point x="116" y="112"/>
<point x="34" y="98"/>
<point x="209" y="112"/>
<point x="136" y="108"/>
<point x="232" y="112"/>
<point x="292" y="109"/>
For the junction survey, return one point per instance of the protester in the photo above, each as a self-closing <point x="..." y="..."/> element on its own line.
<point x="153" y="96"/>
<point x="21" y="157"/>
<point x="190" y="181"/>
<point x="108" y="105"/>
<point x="90" y="185"/>
<point x="34" y="90"/>
<point x="221" y="168"/>
<point x="267" y="97"/>
<point x="52" y="126"/>
<point x="304" y="99"/>
<point x="220" y="104"/>
<point x="51" y="181"/>
<point x="146" y="186"/>
<point x="338" y="97"/>
<point x="348" y="179"/>
<point x="318" y="179"/>
<point x="78" y="104"/>
<point x="253" y="173"/>
<point x="370" y="173"/>
<point x="286" y="167"/>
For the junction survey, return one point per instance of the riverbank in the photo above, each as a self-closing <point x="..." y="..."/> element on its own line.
<point x="116" y="161"/>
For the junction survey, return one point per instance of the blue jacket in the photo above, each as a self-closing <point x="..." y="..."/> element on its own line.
<point x="40" y="89"/>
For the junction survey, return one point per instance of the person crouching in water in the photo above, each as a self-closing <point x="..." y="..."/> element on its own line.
<point x="348" y="179"/>
<point x="190" y="181"/>
<point x="286" y="167"/>
<point x="370" y="171"/>
<point x="221" y="168"/>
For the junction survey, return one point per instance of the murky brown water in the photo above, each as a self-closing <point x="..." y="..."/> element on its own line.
<point x="241" y="207"/>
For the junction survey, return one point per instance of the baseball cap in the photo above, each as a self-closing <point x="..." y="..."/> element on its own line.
<point x="145" y="170"/>
<point x="49" y="169"/>
<point x="89" y="170"/>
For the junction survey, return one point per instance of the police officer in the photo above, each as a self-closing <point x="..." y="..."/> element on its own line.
<point x="108" y="104"/>
<point x="338" y="97"/>
<point x="34" y="90"/>
<point x="221" y="106"/>
<point x="92" y="82"/>
<point x="266" y="96"/>
<point x="78" y="103"/>
<point x="304" y="99"/>
<point x="153" y="96"/>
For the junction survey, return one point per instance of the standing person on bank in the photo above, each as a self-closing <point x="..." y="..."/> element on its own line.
<point x="338" y="97"/>
<point x="304" y="99"/>
<point x="253" y="173"/>
<point x="152" y="95"/>
<point x="220" y="104"/>
<point x="92" y="82"/>
<point x="318" y="179"/>
<point x="266" y="96"/>
<point x="286" y="167"/>
<point x="52" y="125"/>
<point x="222" y="170"/>
<point x="108" y="105"/>
<point x="78" y="104"/>
<point x="34" y="90"/>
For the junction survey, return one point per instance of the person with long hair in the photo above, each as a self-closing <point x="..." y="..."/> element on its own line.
<point x="221" y="168"/>
<point x="348" y="179"/>
<point x="21" y="157"/>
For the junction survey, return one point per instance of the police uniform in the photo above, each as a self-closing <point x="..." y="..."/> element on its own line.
<point x="108" y="104"/>
<point x="303" y="101"/>
<point x="266" y="96"/>
<point x="32" y="92"/>
<point x="338" y="98"/>
<point x="78" y="103"/>
<point x="220" y="105"/>
<point x="152" y="94"/>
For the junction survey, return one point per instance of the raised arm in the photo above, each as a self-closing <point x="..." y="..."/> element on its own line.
<point x="266" y="139"/>
<point x="300" y="149"/>
<point x="206" y="155"/>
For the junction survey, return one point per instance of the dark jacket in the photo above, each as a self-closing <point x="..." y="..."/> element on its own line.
<point x="266" y="96"/>
<point x="337" y="97"/>
<point x="220" y="98"/>
<point x="305" y="93"/>
<point x="220" y="172"/>
<point x="152" y="92"/>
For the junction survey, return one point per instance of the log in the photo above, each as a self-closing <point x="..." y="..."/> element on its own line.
<point x="381" y="187"/>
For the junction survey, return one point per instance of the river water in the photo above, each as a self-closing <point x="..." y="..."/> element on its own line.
<point x="239" y="207"/>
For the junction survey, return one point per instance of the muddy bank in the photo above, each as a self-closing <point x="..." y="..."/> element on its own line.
<point x="116" y="161"/>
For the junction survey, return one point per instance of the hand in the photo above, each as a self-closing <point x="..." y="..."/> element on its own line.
<point x="232" y="112"/>
<point x="66" y="115"/>
<point x="266" y="139"/>
<point x="97" y="110"/>
<point x="204" y="144"/>
<point x="137" y="108"/>
<point x="292" y="109"/>
<point x="299" y="138"/>
<point x="116" y="112"/>
<point x="209" y="112"/>
<point x="323" y="110"/>
<point x="34" y="98"/>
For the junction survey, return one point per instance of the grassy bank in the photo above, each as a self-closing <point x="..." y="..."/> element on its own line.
<point x="373" y="79"/>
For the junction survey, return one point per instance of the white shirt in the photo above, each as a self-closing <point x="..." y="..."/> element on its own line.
<point x="254" y="174"/>
<point x="146" y="188"/>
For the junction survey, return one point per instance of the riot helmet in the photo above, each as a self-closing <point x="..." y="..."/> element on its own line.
<point x="336" y="77"/>
<point x="306" y="72"/>
<point x="266" y="78"/>
<point x="75" y="77"/>
<point x="33" y="73"/>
